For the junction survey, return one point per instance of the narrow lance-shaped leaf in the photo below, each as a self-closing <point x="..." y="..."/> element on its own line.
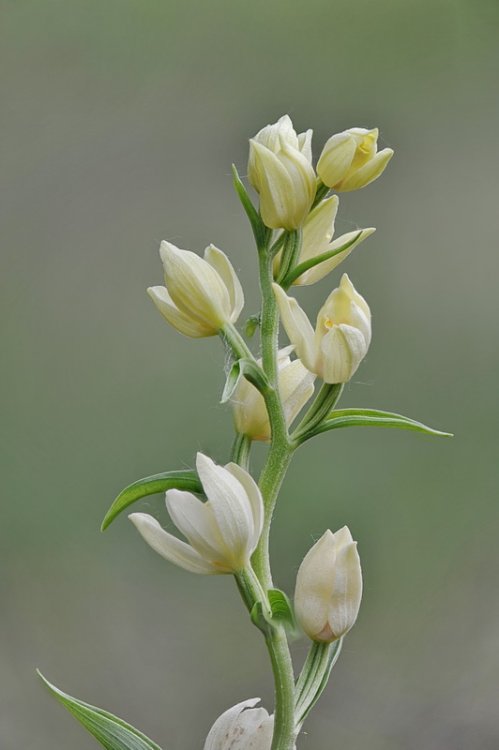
<point x="260" y="231"/>
<point x="167" y="480"/>
<point x="112" y="733"/>
<point x="248" y="369"/>
<point x="297" y="271"/>
<point x="374" y="418"/>
<point x="233" y="377"/>
<point x="282" y="611"/>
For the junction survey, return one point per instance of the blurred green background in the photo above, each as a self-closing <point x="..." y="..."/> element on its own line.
<point x="120" y="122"/>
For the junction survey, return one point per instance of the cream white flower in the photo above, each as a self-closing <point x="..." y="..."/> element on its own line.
<point x="350" y="160"/>
<point x="318" y="232"/>
<point x="329" y="587"/>
<point x="222" y="532"/>
<point x="242" y="727"/>
<point x="280" y="170"/>
<point x="201" y="294"/>
<point x="296" y="386"/>
<point x="342" y="334"/>
<point x="274" y="137"/>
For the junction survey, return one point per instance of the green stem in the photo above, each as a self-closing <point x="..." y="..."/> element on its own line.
<point x="314" y="677"/>
<point x="282" y="667"/>
<point x="241" y="448"/>
<point x="270" y="482"/>
<point x="290" y="253"/>
<point x="325" y="401"/>
<point x="251" y="590"/>
<point x="277" y="645"/>
<point x="321" y="192"/>
<point x="235" y="342"/>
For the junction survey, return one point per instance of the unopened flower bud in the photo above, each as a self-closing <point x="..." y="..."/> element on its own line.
<point x="350" y="160"/>
<point x="200" y="295"/>
<point x="342" y="334"/>
<point x="329" y="587"/>
<point x="280" y="170"/>
<point x="242" y="727"/>
<point x="222" y="532"/>
<point x="296" y="386"/>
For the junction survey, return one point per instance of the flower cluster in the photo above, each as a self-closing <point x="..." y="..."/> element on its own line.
<point x="222" y="513"/>
<point x="204" y="297"/>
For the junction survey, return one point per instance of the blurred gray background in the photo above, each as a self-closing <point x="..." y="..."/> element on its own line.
<point x="120" y="120"/>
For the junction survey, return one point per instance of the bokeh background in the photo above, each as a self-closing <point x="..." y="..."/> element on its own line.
<point x="120" y="120"/>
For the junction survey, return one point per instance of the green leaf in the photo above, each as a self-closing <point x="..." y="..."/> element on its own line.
<point x="167" y="480"/>
<point x="314" y="677"/>
<point x="282" y="610"/>
<point x="248" y="369"/>
<point x="259" y="618"/>
<point x="260" y="231"/>
<point x="112" y="733"/>
<point x="296" y="272"/>
<point x="374" y="418"/>
<point x="232" y="380"/>
<point x="281" y="613"/>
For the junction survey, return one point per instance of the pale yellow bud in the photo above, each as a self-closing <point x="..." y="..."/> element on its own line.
<point x="201" y="294"/>
<point x="296" y="386"/>
<point x="350" y="160"/>
<point x="274" y="137"/>
<point x="280" y="170"/>
<point x="342" y="334"/>
<point x="329" y="587"/>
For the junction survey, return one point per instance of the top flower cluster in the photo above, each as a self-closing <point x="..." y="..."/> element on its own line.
<point x="203" y="296"/>
<point x="280" y="169"/>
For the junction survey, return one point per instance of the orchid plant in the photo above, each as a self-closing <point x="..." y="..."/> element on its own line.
<point x="223" y="513"/>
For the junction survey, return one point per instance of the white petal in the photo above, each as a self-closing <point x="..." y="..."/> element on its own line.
<point x="346" y="285"/>
<point x="193" y="518"/>
<point x="168" y="546"/>
<point x="367" y="173"/>
<point x="168" y="309"/>
<point x="322" y="269"/>
<point x="231" y="509"/>
<point x="283" y="355"/>
<point x="305" y="144"/>
<point x="342" y="348"/>
<point x="249" y="411"/>
<point x="298" y="327"/>
<point x="222" y="265"/>
<point x="342" y="537"/>
<point x="347" y="590"/>
<point x="304" y="184"/>
<point x="254" y="496"/>
<point x="314" y="585"/>
<point x="336" y="158"/>
<point x="221" y="734"/>
<point x="318" y="229"/>
<point x="286" y="183"/>
<point x="195" y="287"/>
<point x="296" y="386"/>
